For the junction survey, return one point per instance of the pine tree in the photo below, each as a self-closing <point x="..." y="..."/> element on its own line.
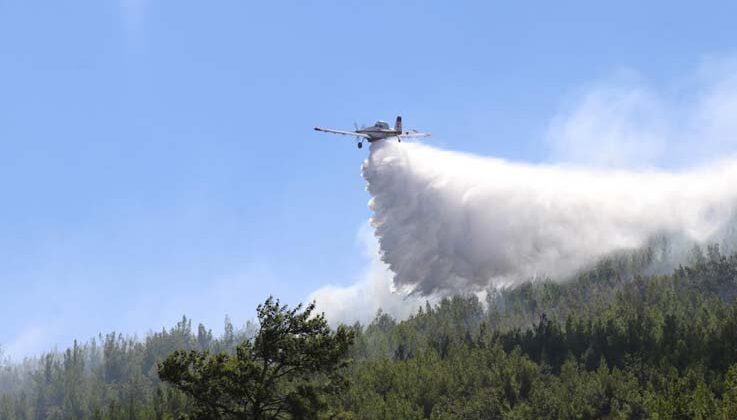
<point x="294" y="361"/>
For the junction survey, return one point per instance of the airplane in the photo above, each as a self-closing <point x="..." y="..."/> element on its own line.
<point x="379" y="131"/>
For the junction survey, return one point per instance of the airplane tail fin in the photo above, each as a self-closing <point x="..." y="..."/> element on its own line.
<point x="398" y="124"/>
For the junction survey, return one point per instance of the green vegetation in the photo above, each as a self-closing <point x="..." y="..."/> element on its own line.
<point x="608" y="344"/>
<point x="286" y="370"/>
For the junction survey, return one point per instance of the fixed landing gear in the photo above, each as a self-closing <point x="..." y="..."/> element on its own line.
<point x="360" y="145"/>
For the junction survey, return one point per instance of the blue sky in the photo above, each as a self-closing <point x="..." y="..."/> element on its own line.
<point x="158" y="157"/>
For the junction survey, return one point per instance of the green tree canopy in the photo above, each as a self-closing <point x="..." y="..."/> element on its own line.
<point x="286" y="371"/>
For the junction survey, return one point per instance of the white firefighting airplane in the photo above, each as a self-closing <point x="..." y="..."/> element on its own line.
<point x="379" y="131"/>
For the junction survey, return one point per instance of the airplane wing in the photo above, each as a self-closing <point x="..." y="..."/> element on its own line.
<point x="413" y="134"/>
<point x="345" y="133"/>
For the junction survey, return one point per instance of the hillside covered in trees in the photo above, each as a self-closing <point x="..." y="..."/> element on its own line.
<point x="611" y="343"/>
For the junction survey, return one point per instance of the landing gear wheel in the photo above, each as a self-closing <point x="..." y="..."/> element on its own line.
<point x="399" y="140"/>
<point x="360" y="145"/>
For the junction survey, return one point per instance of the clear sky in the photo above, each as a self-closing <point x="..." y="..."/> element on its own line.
<point x="157" y="158"/>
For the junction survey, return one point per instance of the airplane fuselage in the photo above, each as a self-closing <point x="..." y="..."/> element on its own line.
<point x="377" y="133"/>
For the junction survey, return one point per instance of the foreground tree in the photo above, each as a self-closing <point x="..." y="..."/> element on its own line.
<point x="286" y="371"/>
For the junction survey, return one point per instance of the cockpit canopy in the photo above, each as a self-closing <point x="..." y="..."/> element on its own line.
<point x="381" y="124"/>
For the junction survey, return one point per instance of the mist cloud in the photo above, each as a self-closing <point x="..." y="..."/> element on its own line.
<point x="373" y="290"/>
<point x="453" y="222"/>
<point x="627" y="162"/>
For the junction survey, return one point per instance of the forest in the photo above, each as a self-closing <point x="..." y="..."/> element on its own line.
<point x="617" y="341"/>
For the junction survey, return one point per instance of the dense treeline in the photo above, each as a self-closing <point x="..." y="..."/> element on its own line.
<point x="607" y="344"/>
<point x="112" y="376"/>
